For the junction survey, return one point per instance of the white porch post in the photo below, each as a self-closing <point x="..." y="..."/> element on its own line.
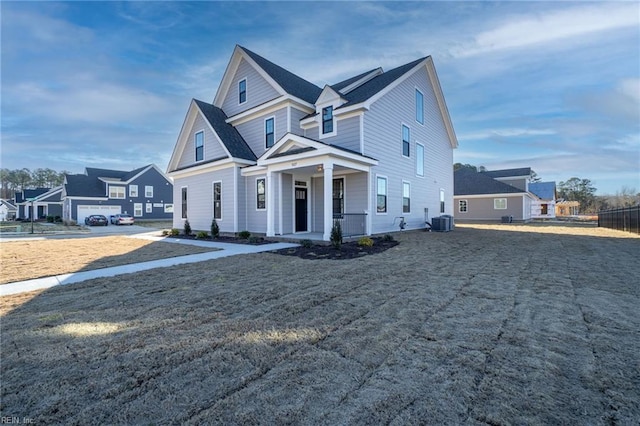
<point x="328" y="200"/>
<point x="270" y="205"/>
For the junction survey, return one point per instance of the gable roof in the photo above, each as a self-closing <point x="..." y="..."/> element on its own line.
<point x="291" y="83"/>
<point x="84" y="186"/>
<point x="25" y="194"/>
<point x="8" y="204"/>
<point x="544" y="190"/>
<point x="524" y="171"/>
<point x="346" y="83"/>
<point x="104" y="173"/>
<point x="469" y="182"/>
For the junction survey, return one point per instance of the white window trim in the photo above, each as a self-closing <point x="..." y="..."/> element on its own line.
<point x="408" y="183"/>
<point x="203" y="146"/>
<point x="416" y="105"/>
<point x="124" y="192"/>
<point x="168" y="208"/>
<point x="145" y="191"/>
<point x="181" y="202"/>
<point x="265" y="193"/>
<point x="131" y="192"/>
<point x="466" y="203"/>
<point x="135" y="209"/>
<point x="418" y="159"/>
<point x="499" y="208"/>
<point x="333" y="118"/>
<point x="246" y="91"/>
<point x="264" y="129"/>
<point x="387" y="195"/>
<point x="402" y="140"/>
<point x="148" y="208"/>
<point x="213" y="211"/>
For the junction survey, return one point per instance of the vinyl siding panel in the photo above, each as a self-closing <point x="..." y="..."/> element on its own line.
<point x="317" y="203"/>
<point x="259" y="90"/>
<point x="296" y="116"/>
<point x="212" y="145"/>
<point x="481" y="209"/>
<point x="347" y="134"/>
<point x="355" y="193"/>
<point x="162" y="194"/>
<point x="287" y="204"/>
<point x="383" y="141"/>
<point x="257" y="219"/>
<point x="253" y="131"/>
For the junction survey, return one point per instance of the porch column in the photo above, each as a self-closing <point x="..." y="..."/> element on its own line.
<point x="270" y="205"/>
<point x="328" y="200"/>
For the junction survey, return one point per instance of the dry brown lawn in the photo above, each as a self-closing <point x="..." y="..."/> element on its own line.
<point x="23" y="260"/>
<point x="510" y="325"/>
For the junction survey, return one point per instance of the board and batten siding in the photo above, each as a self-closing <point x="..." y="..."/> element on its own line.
<point x="383" y="141"/>
<point x="200" y="200"/>
<point x="259" y="90"/>
<point x="347" y="134"/>
<point x="212" y="145"/>
<point x="253" y="131"/>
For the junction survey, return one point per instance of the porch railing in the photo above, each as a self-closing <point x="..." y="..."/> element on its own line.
<point x="352" y="224"/>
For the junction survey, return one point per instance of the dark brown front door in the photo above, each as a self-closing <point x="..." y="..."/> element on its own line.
<point x="301" y="209"/>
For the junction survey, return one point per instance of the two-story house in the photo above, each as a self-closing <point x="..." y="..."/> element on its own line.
<point x="274" y="154"/>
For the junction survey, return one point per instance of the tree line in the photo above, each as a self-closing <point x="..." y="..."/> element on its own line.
<point x="583" y="191"/>
<point x="12" y="181"/>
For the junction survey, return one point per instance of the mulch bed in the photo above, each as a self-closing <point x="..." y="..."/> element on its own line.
<point x="254" y="241"/>
<point x="348" y="250"/>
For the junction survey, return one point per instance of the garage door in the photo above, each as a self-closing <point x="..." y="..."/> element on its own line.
<point x="84" y="211"/>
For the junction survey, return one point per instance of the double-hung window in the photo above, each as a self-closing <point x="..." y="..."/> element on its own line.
<point x="382" y="194"/>
<point x="148" y="191"/>
<point x="500" y="203"/>
<point x="148" y="208"/>
<point x="338" y="197"/>
<point x="117" y="192"/>
<point x="406" y="140"/>
<point x="137" y="209"/>
<point x="261" y="194"/>
<point x="184" y="202"/>
<point x="199" y="142"/>
<point x="419" y="107"/>
<point x="242" y="91"/>
<point x="133" y="190"/>
<point x="327" y="120"/>
<point x="462" y="206"/>
<point x="269" y="132"/>
<point x="406" y="197"/>
<point x="217" y="200"/>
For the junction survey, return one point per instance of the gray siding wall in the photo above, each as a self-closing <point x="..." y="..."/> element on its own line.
<point x="257" y="219"/>
<point x="242" y="201"/>
<point x="162" y="194"/>
<point x="200" y="200"/>
<point x="481" y="209"/>
<point x="253" y="131"/>
<point x="259" y="90"/>
<point x="287" y="203"/>
<point x="317" y="203"/>
<point x="383" y="141"/>
<point x="347" y="134"/>
<point x="212" y="146"/>
<point x="355" y="193"/>
<point x="296" y="116"/>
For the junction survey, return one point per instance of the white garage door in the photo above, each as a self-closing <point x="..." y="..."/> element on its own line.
<point x="84" y="211"/>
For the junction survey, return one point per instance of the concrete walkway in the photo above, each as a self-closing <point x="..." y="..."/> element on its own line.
<point x="224" y="250"/>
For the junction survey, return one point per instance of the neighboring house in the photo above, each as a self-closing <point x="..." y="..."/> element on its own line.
<point x="8" y="211"/>
<point x="545" y="206"/>
<point x="145" y="193"/>
<point x="491" y="195"/>
<point x="276" y="155"/>
<point x="23" y="201"/>
<point x="567" y="208"/>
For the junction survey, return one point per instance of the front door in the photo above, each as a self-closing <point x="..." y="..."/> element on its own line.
<point x="301" y="209"/>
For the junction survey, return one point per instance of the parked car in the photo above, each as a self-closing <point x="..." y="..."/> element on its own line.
<point x="96" y="220"/>
<point x="122" y="219"/>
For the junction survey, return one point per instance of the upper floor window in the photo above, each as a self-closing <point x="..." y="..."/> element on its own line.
<point x="116" y="192"/>
<point x="269" y="132"/>
<point x="419" y="107"/>
<point x="199" y="141"/>
<point x="261" y="194"/>
<point x="406" y="138"/>
<point x="327" y="120"/>
<point x="242" y="91"/>
<point x="406" y="197"/>
<point x="381" y="195"/>
<point x="133" y="190"/>
<point x="419" y="159"/>
<point x="148" y="191"/>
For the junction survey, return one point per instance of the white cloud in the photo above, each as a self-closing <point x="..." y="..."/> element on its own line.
<point x="513" y="132"/>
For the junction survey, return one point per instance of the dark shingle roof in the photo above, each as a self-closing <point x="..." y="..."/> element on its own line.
<point x="341" y="85"/>
<point x="544" y="190"/>
<point x="524" y="171"/>
<point x="290" y="82"/>
<point x="468" y="182"/>
<point x="84" y="186"/>
<point x="235" y="144"/>
<point x="105" y="173"/>
<point x="132" y="173"/>
<point x="26" y="194"/>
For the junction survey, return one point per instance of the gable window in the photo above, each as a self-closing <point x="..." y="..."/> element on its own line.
<point x="184" y="202"/>
<point x="242" y="91"/>
<point x="199" y="141"/>
<point x="406" y="197"/>
<point x="269" y="132"/>
<point x="338" y="197"/>
<point x="261" y="194"/>
<point x="217" y="200"/>
<point x="406" y="137"/>
<point x="442" y="201"/>
<point x="133" y="190"/>
<point x="137" y="209"/>
<point x="149" y="208"/>
<point x="419" y="159"/>
<point x="499" y="203"/>
<point x="116" y="192"/>
<point x="148" y="191"/>
<point x="462" y="206"/>
<point x="327" y="120"/>
<point x="419" y="107"/>
<point x="382" y="195"/>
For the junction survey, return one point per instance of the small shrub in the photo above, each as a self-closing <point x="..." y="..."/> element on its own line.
<point x="387" y="237"/>
<point x="70" y="222"/>
<point x="365" y="242"/>
<point x="49" y="219"/>
<point x="336" y="235"/>
<point x="165" y="232"/>
<point x="244" y="235"/>
<point x="306" y="243"/>
<point x="201" y="235"/>
<point x="174" y="232"/>
<point x="254" y="240"/>
<point x="215" y="229"/>
<point x="187" y="227"/>
<point x="57" y="219"/>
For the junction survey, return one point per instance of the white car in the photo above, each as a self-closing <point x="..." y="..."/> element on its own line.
<point x="122" y="219"/>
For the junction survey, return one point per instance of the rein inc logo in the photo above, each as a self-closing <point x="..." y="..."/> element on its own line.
<point x="10" y="420"/>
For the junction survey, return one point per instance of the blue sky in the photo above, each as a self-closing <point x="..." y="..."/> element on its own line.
<point x="550" y="85"/>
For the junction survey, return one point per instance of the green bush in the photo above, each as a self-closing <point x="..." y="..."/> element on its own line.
<point x="254" y="240"/>
<point x="387" y="237"/>
<point x="306" y="243"/>
<point x="49" y="219"/>
<point x="165" y="232"/>
<point x="365" y="242"/>
<point x="57" y="219"/>
<point x="244" y="235"/>
<point x="187" y="227"/>
<point x="201" y="235"/>
<point x="174" y="232"/>
<point x="215" y="229"/>
<point x="336" y="235"/>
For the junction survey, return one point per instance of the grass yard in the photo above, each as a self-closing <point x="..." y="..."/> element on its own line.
<point x="26" y="259"/>
<point x="495" y="325"/>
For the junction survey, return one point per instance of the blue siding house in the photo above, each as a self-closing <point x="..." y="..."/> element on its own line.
<point x="145" y="193"/>
<point x="45" y="202"/>
<point x="277" y="155"/>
